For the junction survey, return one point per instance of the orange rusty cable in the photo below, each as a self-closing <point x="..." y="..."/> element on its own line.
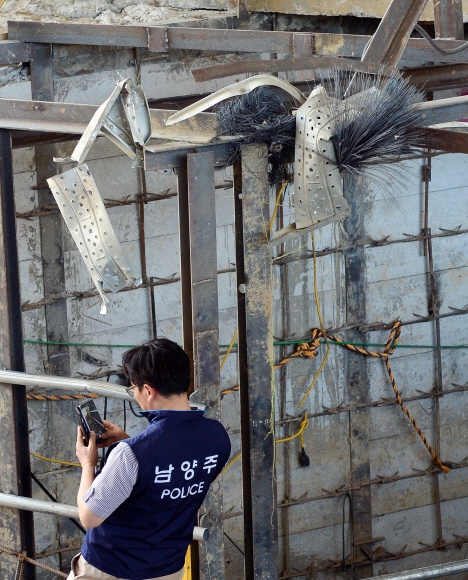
<point x="60" y="397"/>
<point x="23" y="558"/>
<point x="309" y="350"/>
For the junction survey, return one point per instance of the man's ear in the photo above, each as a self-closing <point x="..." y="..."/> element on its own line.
<point x="150" y="392"/>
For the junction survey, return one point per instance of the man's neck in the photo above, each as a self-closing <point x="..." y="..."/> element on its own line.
<point x="174" y="403"/>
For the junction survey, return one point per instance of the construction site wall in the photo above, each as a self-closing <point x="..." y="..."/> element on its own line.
<point x="405" y="513"/>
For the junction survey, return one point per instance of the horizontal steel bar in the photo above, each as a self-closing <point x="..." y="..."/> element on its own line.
<point x="427" y="572"/>
<point x="68" y="511"/>
<point x="65" y="383"/>
<point x="160" y="39"/>
<point x="437" y="77"/>
<point x="12" y="52"/>
<point x="444" y="110"/>
<point x="76" y="33"/>
<point x="73" y="118"/>
<point x="284" y="65"/>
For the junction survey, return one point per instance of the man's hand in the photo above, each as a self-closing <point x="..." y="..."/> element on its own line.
<point x="113" y="434"/>
<point x="88" y="455"/>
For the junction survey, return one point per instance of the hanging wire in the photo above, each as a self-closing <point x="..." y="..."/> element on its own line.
<point x="319" y="314"/>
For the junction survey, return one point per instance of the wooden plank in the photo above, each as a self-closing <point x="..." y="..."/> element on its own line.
<point x="12" y="52"/>
<point x="255" y="351"/>
<point x="205" y="321"/>
<point x="16" y="527"/>
<point x="74" y="33"/>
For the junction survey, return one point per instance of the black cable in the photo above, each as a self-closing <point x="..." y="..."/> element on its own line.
<point x="48" y="494"/>
<point x="434" y="44"/>
<point x="134" y="412"/>
<point x="125" y="415"/>
<point x="234" y="544"/>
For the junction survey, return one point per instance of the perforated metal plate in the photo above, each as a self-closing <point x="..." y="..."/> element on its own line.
<point x="85" y="215"/>
<point x="318" y="191"/>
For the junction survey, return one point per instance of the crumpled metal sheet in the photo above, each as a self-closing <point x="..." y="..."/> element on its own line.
<point x="85" y="215"/>
<point x="124" y="118"/>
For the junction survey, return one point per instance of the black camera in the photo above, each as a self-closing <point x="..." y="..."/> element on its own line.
<point x="90" y="420"/>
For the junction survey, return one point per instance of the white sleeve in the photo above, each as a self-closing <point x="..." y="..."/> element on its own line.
<point x="115" y="482"/>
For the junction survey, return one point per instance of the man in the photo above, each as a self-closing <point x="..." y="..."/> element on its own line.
<point x="141" y="510"/>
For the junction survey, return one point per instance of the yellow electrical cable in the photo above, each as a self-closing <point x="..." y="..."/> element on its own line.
<point x="55" y="460"/>
<point x="275" y="209"/>
<point x="234" y="336"/>
<point x="304" y="425"/>
<point x="231" y="462"/>
<point x="319" y="313"/>
<point x="300" y="433"/>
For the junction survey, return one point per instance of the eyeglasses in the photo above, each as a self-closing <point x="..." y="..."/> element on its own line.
<point x="130" y="390"/>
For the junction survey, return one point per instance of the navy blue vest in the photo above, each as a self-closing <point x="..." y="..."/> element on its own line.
<point x="179" y="455"/>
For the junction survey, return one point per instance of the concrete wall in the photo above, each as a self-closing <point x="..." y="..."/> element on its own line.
<point x="402" y="513"/>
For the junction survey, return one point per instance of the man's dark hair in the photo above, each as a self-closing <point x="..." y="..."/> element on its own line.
<point x="160" y="363"/>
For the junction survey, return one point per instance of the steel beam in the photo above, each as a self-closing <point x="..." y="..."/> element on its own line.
<point x="205" y="324"/>
<point x="253" y="266"/>
<point x="448" y="19"/>
<point x="310" y="64"/>
<point x="444" y="110"/>
<point x="389" y="41"/>
<point x="437" y="77"/>
<point x="12" y="52"/>
<point x="161" y="39"/>
<point x="447" y="141"/>
<point x="439" y="571"/>
<point x="357" y="376"/>
<point x="16" y="528"/>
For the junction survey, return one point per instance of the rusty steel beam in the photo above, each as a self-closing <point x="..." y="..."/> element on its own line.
<point x="285" y="65"/>
<point x="16" y="528"/>
<point x="255" y="352"/>
<point x="87" y="34"/>
<point x="12" y="52"/>
<point x="159" y="39"/>
<point x="438" y="77"/>
<point x="205" y="324"/>
<point x="447" y="141"/>
<point x="448" y="19"/>
<point x="389" y="41"/>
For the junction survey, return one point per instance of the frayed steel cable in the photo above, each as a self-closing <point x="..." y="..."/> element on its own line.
<point x="309" y="350"/>
<point x="434" y="44"/>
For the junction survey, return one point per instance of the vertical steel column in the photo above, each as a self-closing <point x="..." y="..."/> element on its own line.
<point x="253" y="266"/>
<point x="42" y="87"/>
<point x="186" y="297"/>
<point x="448" y="19"/>
<point x="357" y="377"/>
<point x="16" y="527"/>
<point x="205" y="321"/>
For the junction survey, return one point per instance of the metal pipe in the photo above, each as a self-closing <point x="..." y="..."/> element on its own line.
<point x="65" y="383"/>
<point x="427" y="572"/>
<point x="65" y="510"/>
